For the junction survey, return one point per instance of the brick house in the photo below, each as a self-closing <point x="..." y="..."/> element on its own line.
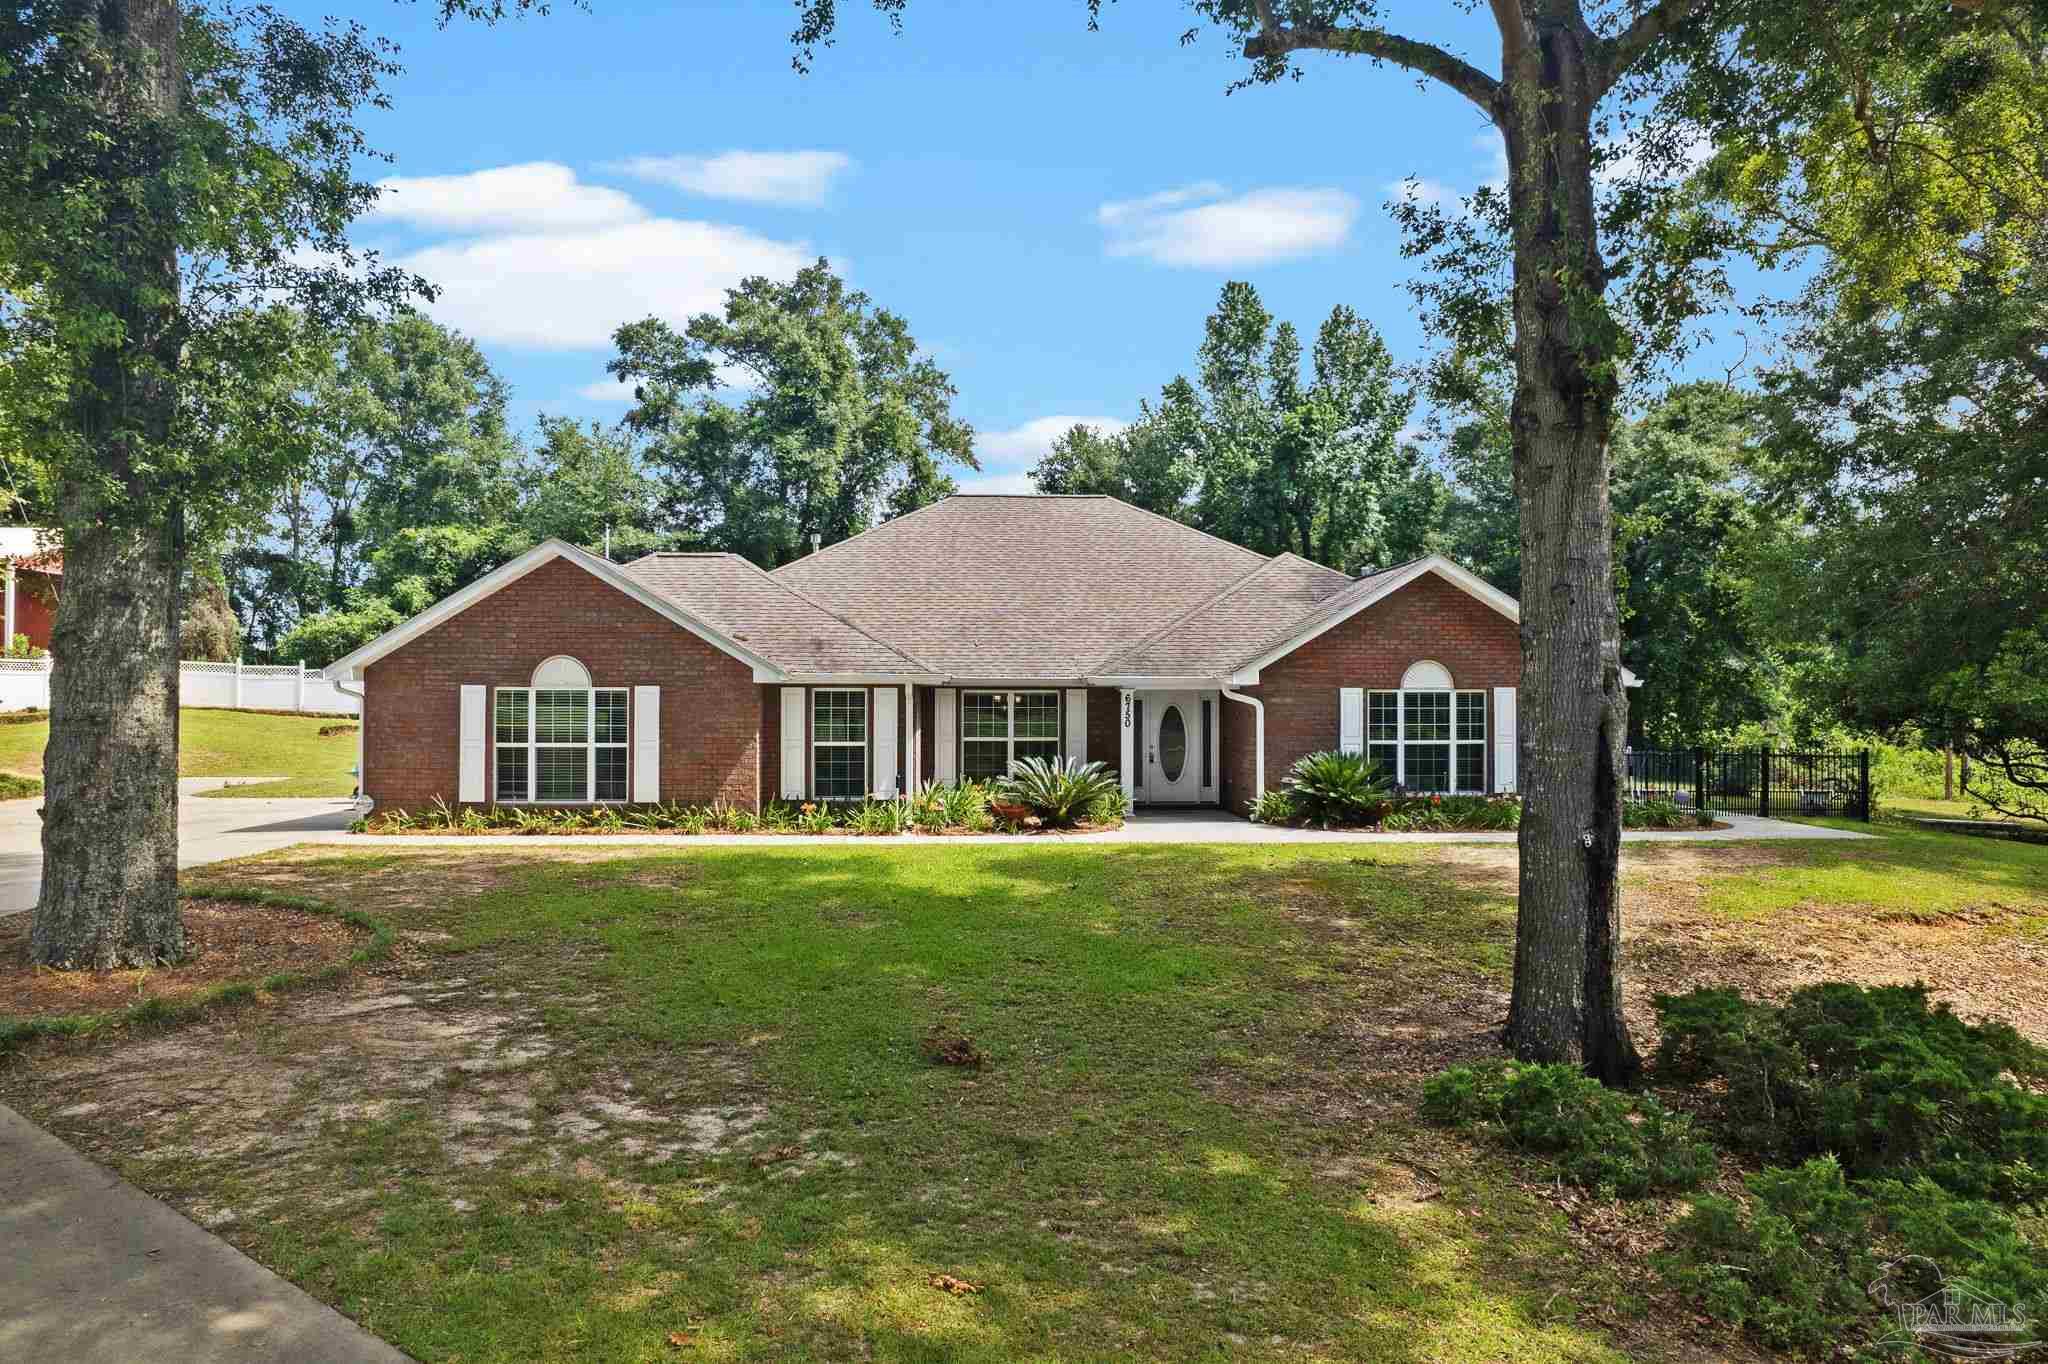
<point x="939" y="646"/>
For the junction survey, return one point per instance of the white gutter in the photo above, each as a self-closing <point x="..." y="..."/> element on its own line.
<point x="362" y="723"/>
<point x="1258" y="731"/>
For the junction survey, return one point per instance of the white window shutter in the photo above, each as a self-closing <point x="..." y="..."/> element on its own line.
<point x="1503" y="739"/>
<point x="792" y="743"/>
<point x="1351" y="719"/>
<point x="946" y="735"/>
<point x="647" y="744"/>
<point x="1077" y="724"/>
<point x="469" y="784"/>
<point x="887" y="707"/>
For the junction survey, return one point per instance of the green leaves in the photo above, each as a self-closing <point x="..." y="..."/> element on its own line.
<point x="802" y="410"/>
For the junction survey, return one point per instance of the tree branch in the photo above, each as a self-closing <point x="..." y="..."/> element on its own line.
<point x="1275" y="40"/>
<point x="1628" y="47"/>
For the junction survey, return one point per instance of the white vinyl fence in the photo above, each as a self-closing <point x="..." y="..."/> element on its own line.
<point x="25" y="685"/>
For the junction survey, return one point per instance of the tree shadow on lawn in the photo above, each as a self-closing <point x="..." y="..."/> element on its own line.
<point x="1196" y="1130"/>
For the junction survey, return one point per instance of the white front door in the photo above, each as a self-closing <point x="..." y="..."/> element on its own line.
<point x="1172" y="760"/>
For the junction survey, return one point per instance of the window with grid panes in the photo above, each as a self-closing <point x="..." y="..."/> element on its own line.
<point x="1429" y="740"/>
<point x="560" y="745"/>
<point x="999" y="727"/>
<point x="839" y="744"/>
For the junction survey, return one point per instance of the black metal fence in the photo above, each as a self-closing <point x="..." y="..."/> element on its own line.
<point x="1753" y="781"/>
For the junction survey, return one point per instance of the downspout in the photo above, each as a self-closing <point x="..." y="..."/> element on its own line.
<point x="362" y="722"/>
<point x="1258" y="732"/>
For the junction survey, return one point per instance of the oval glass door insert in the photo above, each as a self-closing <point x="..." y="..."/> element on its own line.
<point x="1173" y="744"/>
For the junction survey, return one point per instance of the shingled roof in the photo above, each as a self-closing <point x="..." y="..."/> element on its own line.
<point x="998" y="587"/>
<point x="1216" y="635"/>
<point x="775" y="620"/>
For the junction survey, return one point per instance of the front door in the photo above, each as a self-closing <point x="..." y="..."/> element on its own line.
<point x="1173" y="747"/>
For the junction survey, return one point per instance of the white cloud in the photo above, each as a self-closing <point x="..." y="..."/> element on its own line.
<point x="621" y="390"/>
<point x="1432" y="193"/>
<point x="1007" y="456"/>
<point x="1028" y="443"/>
<point x="798" y="178"/>
<point x="1200" y="225"/>
<point x="570" y="290"/>
<point x="536" y="196"/>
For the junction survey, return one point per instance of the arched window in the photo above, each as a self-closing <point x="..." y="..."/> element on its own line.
<point x="1426" y="675"/>
<point x="559" y="739"/>
<point x="1428" y="736"/>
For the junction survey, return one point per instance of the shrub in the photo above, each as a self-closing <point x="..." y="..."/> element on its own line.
<point x="1438" y="813"/>
<point x="1273" y="807"/>
<point x="873" y="816"/>
<point x="1798" y="1261"/>
<point x="815" y="818"/>
<point x="1109" y="808"/>
<point x="1058" y="790"/>
<point x="1661" y="814"/>
<point x="1337" y="788"/>
<point x="1620" y="1145"/>
<point x="1879" y="1078"/>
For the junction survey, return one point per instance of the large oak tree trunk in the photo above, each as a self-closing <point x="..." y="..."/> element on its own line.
<point x="1566" y="1004"/>
<point x="110" y="829"/>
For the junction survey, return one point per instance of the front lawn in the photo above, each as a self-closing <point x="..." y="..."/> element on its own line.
<point x="617" y="1106"/>
<point x="227" y="743"/>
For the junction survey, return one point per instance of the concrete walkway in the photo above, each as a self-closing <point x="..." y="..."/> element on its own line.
<point x="1150" y="826"/>
<point x="94" y="1271"/>
<point x="208" y="830"/>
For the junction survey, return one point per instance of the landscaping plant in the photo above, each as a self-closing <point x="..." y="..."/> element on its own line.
<point x="1879" y="1078"/>
<point x="1620" y="1145"/>
<point x="1060" y="791"/>
<point x="1337" y="788"/>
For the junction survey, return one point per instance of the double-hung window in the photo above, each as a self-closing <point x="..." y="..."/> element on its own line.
<point x="560" y="745"/>
<point x="999" y="727"/>
<point x="839" y="744"/>
<point x="1428" y="740"/>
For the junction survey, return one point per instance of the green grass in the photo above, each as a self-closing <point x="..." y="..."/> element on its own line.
<point x="226" y="743"/>
<point x="1939" y="809"/>
<point x="14" y="786"/>
<point x="1189" y="1142"/>
<point x="1138" y="1173"/>
<point x="1904" y="869"/>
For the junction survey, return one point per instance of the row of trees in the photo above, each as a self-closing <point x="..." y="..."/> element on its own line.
<point x="801" y="410"/>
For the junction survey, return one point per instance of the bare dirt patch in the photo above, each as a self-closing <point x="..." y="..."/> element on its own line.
<point x="228" y="941"/>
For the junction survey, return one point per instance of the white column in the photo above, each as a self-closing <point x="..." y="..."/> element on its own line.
<point x="237" y="702"/>
<point x="1127" y="728"/>
<point x="8" y="643"/>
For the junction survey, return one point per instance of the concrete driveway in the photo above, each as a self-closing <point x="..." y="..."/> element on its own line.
<point x="208" y="830"/>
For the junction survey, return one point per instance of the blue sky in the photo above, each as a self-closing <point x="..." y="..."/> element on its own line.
<point x="1052" y="210"/>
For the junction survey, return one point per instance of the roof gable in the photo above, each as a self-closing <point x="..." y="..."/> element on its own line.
<point x="1374" y="587"/>
<point x="455" y="603"/>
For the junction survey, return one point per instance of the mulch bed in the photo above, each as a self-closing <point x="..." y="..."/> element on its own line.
<point x="227" y="941"/>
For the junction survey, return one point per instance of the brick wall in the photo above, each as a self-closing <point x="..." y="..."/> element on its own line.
<point x="1427" y="619"/>
<point x="711" y="718"/>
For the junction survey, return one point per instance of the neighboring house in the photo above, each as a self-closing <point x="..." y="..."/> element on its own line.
<point x="936" y="647"/>
<point x="34" y="572"/>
